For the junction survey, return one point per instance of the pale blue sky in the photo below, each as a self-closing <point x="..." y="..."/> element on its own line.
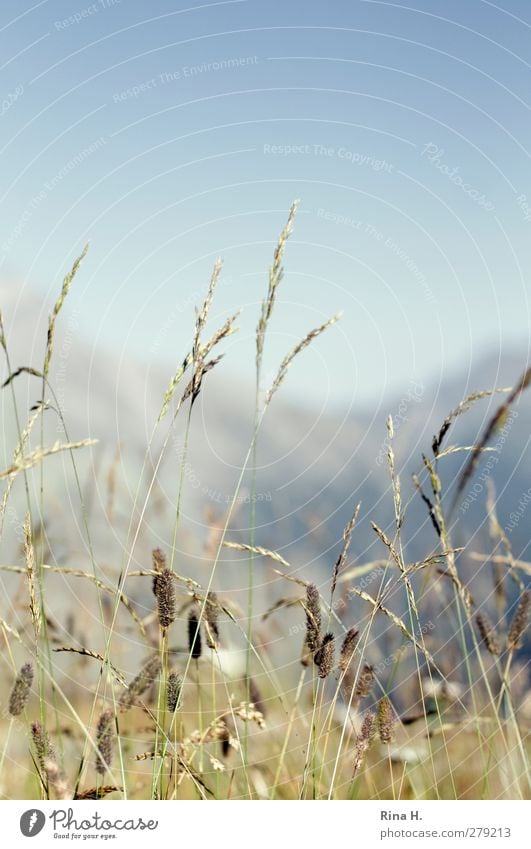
<point x="171" y="136"/>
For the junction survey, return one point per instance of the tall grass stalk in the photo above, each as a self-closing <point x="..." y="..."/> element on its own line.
<point x="299" y="747"/>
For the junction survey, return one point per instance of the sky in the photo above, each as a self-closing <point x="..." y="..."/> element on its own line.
<point x="168" y="134"/>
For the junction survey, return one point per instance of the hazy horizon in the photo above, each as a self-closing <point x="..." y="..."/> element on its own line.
<point x="173" y="138"/>
<point x="486" y="369"/>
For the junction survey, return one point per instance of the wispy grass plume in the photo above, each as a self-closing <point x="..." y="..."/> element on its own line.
<point x="67" y="282"/>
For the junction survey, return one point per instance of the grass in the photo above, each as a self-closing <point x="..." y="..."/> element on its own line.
<point x="440" y="715"/>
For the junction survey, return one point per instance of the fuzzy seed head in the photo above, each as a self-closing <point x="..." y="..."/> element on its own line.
<point x="519" y="623"/>
<point x="43" y="748"/>
<point x="488" y="634"/>
<point x="159" y="564"/>
<point x="325" y="655"/>
<point x="347" y="649"/>
<point x="165" y="593"/>
<point x="385" y="720"/>
<point x="21" y="690"/>
<point x="211" y="621"/>
<point x="175" y="686"/>
<point x="57" y="779"/>
<point x="364" y="740"/>
<point x="367" y="727"/>
<point x="105" y="741"/>
<point x="194" y="635"/>
<point x="365" y="681"/>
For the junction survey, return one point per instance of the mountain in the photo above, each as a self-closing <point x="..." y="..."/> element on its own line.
<point x="313" y="467"/>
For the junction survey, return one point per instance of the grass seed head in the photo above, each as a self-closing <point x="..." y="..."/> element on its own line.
<point x="385" y="720"/>
<point x="194" y="635"/>
<point x="364" y="740"/>
<point x="105" y="741"/>
<point x="140" y="684"/>
<point x="347" y="648"/>
<point x="34" y="605"/>
<point x="488" y="634"/>
<point x="43" y="748"/>
<point x="248" y="712"/>
<point x="519" y="623"/>
<point x="313" y="618"/>
<point x="57" y="779"/>
<point x="325" y="655"/>
<point x="21" y="690"/>
<point x="67" y="281"/>
<point x="211" y="621"/>
<point x="365" y="682"/>
<point x="164" y="588"/>
<point x="175" y="686"/>
<point x="159" y="564"/>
